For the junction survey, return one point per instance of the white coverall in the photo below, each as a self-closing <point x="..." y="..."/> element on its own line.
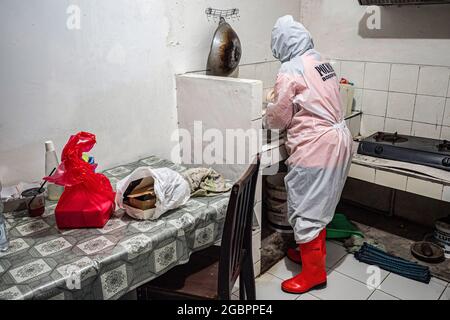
<point x="307" y="104"/>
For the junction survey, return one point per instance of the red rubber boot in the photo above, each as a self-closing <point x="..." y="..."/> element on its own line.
<point x="294" y="255"/>
<point x="314" y="274"/>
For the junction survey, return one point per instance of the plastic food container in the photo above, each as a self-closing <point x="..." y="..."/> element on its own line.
<point x="35" y="201"/>
<point x="442" y="235"/>
<point x="347" y="94"/>
<point x="276" y="202"/>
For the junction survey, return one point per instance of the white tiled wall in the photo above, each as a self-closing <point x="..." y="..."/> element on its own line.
<point x="409" y="99"/>
<point x="264" y="71"/>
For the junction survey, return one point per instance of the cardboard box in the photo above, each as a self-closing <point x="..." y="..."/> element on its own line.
<point x="140" y="194"/>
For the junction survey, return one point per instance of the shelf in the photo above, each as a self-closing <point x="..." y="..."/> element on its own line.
<point x="354" y="114"/>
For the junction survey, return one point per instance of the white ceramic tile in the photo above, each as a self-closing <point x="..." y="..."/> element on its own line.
<point x="353" y="71"/>
<point x="375" y="102"/>
<point x="335" y="252"/>
<point x="275" y="69"/>
<point x="258" y="192"/>
<point x="377" y="76"/>
<point x="354" y="269"/>
<point x="424" y="188"/>
<point x="247" y="71"/>
<point x="445" y="133"/>
<point x="426" y="130"/>
<point x="407" y="289"/>
<point x="446" y="194"/>
<point x="358" y="99"/>
<point x="380" y="295"/>
<point x="439" y="281"/>
<point x="265" y="73"/>
<point x="336" y="64"/>
<point x="256" y="243"/>
<point x="399" y="126"/>
<point x="429" y="109"/>
<point x="268" y="287"/>
<point x="236" y="287"/>
<point x="307" y="297"/>
<point x="239" y="92"/>
<point x="362" y="173"/>
<point x="446" y="121"/>
<point x="256" y="104"/>
<point x="257" y="125"/>
<point x="341" y="287"/>
<point x="448" y="91"/>
<point x="371" y="124"/>
<point x="285" y="269"/>
<point x="446" y="294"/>
<point x="257" y="209"/>
<point x="355" y="126"/>
<point x="265" y="94"/>
<point x="404" y="78"/>
<point x="433" y="81"/>
<point x="257" y="268"/>
<point x="391" y="180"/>
<point x="401" y="105"/>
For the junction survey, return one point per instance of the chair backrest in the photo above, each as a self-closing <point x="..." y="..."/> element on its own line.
<point x="237" y="232"/>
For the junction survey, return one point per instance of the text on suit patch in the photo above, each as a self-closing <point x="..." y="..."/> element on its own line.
<point x="326" y="71"/>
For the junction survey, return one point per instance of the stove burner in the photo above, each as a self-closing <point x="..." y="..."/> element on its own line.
<point x="394" y="138"/>
<point x="444" y="146"/>
<point x="419" y="150"/>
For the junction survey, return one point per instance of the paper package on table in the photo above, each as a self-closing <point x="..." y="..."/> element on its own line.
<point x="170" y="188"/>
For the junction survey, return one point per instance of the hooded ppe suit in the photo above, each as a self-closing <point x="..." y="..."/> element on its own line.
<point x="307" y="104"/>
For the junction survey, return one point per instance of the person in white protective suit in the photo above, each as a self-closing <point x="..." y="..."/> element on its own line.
<point x="307" y="104"/>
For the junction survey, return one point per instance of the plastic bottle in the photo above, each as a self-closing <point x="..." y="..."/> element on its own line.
<point x="51" y="162"/>
<point x="4" y="243"/>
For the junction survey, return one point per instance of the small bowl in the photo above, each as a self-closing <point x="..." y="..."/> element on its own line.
<point x="435" y="254"/>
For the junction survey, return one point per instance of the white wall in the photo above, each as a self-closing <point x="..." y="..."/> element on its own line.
<point x="114" y="77"/>
<point x="401" y="71"/>
<point x="408" y="34"/>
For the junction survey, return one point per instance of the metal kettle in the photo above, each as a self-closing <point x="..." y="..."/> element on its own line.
<point x="226" y="51"/>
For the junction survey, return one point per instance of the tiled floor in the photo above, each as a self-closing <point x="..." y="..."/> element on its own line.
<point x="349" y="279"/>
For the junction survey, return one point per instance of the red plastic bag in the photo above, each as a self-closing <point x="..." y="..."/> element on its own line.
<point x="88" y="198"/>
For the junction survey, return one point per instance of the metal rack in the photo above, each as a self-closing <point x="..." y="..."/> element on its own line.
<point x="218" y="14"/>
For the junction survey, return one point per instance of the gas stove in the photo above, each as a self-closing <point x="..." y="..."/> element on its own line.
<point x="393" y="146"/>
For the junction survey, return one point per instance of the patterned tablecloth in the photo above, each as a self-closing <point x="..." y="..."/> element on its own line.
<point x="46" y="263"/>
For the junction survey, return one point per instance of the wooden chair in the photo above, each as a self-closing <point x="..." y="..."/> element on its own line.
<point x="212" y="273"/>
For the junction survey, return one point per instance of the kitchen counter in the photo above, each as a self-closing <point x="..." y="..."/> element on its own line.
<point x="421" y="180"/>
<point x="391" y="174"/>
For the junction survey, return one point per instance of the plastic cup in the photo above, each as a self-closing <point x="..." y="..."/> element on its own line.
<point x="35" y="200"/>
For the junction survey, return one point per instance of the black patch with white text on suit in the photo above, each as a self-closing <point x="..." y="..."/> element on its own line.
<point x="326" y="71"/>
